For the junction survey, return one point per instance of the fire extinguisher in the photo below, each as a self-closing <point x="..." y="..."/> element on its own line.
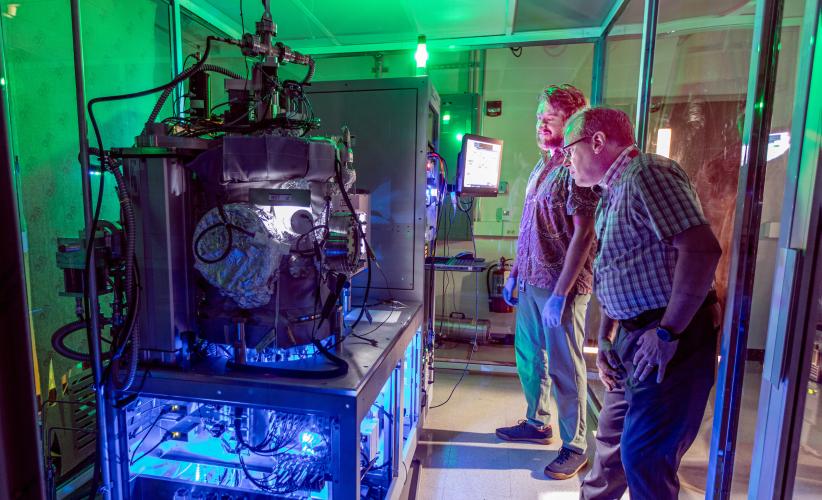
<point x="495" y="281"/>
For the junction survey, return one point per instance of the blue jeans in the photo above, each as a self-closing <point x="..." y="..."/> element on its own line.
<point x="645" y="428"/>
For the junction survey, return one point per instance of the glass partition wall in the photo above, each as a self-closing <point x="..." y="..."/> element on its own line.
<point x="697" y="106"/>
<point x="126" y="49"/>
<point x="700" y="91"/>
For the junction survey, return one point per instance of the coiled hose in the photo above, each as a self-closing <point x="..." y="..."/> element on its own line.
<point x="310" y="73"/>
<point x="186" y="74"/>
<point x="58" y="341"/>
<point x="132" y="296"/>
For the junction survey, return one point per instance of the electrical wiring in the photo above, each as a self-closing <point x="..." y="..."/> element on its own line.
<point x="476" y="313"/>
<point x="368" y="252"/>
<point x="104" y="166"/>
<point x="453" y="389"/>
<point x="132" y="460"/>
<point x="229" y="228"/>
<point x="292" y="472"/>
<point x="394" y="306"/>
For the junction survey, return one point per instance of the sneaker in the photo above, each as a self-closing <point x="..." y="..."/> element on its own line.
<point x="567" y="464"/>
<point x="526" y="432"/>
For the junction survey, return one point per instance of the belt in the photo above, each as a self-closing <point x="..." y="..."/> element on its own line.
<point x="647" y="318"/>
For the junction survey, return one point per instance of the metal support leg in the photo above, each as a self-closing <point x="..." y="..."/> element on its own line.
<point x="93" y="320"/>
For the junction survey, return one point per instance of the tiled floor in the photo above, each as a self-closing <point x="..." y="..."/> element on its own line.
<point x="461" y="457"/>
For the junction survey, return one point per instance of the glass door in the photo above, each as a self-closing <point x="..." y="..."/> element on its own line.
<point x="807" y="471"/>
<point x="788" y="441"/>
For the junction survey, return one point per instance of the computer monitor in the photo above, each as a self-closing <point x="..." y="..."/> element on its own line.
<point x="478" y="169"/>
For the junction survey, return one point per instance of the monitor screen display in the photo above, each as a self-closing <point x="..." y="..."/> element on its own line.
<point x="479" y="166"/>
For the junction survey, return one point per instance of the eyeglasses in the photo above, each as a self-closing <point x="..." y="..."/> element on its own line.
<point x="566" y="150"/>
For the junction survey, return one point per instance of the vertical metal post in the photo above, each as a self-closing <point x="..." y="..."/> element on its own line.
<point x="646" y="72"/>
<point x="93" y="320"/>
<point x="21" y="462"/>
<point x="791" y="326"/>
<point x="176" y="42"/>
<point x="758" y="110"/>
<point x="598" y="71"/>
<point x="480" y="89"/>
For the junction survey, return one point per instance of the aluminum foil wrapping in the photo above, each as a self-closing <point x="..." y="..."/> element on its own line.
<point x="349" y="177"/>
<point x="249" y="272"/>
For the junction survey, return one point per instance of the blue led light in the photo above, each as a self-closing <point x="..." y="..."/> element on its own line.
<point x="309" y="441"/>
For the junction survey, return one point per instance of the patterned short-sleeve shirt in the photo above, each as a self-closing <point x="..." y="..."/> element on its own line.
<point x="646" y="200"/>
<point x="551" y="200"/>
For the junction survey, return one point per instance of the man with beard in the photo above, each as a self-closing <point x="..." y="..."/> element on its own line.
<point x="553" y="273"/>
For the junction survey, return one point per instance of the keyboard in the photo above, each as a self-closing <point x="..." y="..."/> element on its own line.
<point x="457" y="263"/>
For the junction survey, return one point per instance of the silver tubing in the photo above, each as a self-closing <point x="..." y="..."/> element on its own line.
<point x="646" y="71"/>
<point x="93" y="320"/>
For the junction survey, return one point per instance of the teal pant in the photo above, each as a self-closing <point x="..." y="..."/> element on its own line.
<point x="549" y="357"/>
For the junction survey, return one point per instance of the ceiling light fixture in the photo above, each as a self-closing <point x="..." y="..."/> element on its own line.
<point x="421" y="55"/>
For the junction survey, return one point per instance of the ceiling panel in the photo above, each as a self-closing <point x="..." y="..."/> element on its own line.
<point x="538" y="15"/>
<point x="332" y="22"/>
<point x="677" y="10"/>
<point x="328" y="26"/>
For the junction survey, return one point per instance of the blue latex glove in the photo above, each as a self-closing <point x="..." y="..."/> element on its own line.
<point x="552" y="311"/>
<point x="508" y="292"/>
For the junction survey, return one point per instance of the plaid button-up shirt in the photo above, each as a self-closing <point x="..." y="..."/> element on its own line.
<point x="551" y="200"/>
<point x="646" y="200"/>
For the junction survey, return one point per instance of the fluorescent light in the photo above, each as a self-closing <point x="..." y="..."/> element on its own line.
<point x="663" y="142"/>
<point x="590" y="349"/>
<point x="421" y="55"/>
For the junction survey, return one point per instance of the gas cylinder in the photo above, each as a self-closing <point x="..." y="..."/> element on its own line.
<point x="496" y="276"/>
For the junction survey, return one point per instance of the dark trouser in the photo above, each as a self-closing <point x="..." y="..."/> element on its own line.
<point x="645" y="429"/>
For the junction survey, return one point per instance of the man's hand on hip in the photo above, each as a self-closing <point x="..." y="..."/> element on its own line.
<point x="508" y="292"/>
<point x="552" y="310"/>
<point x="652" y="353"/>
<point x="608" y="365"/>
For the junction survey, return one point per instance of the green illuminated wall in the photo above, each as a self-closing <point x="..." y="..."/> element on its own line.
<point x="125" y="50"/>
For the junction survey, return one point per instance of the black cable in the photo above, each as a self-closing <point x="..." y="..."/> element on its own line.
<point x="464" y="371"/>
<point x="358" y="225"/>
<point x="132" y="461"/>
<point x="104" y="164"/>
<point x="229" y="227"/>
<point x="362" y="336"/>
<point x="144" y="455"/>
<point x="58" y="339"/>
<point x="310" y="231"/>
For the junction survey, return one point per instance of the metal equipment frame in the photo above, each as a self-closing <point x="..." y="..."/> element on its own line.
<point x="346" y="399"/>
